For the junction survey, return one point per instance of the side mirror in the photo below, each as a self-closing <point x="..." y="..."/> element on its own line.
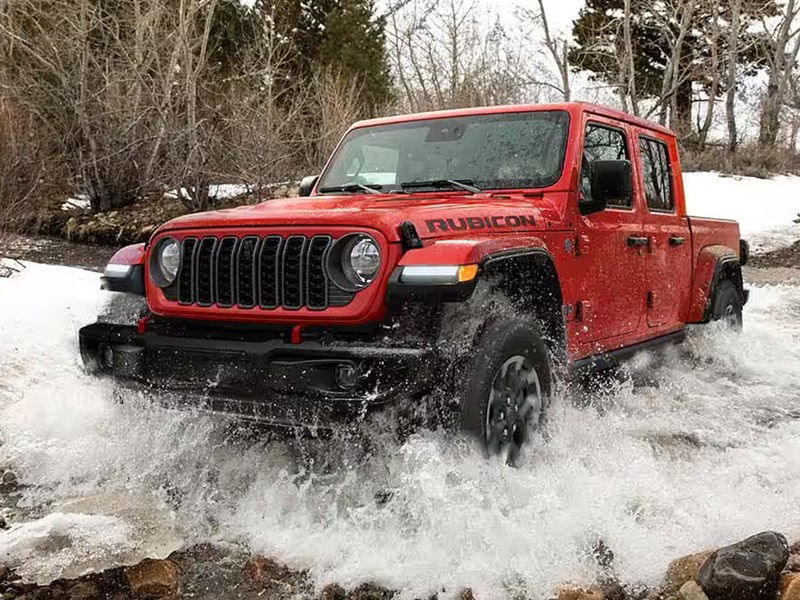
<point x="611" y="182"/>
<point x="307" y="184"/>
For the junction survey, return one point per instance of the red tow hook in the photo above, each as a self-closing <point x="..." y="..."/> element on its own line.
<point x="297" y="334"/>
<point x="141" y="326"/>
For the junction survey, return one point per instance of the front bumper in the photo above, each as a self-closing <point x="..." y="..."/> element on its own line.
<point x="265" y="378"/>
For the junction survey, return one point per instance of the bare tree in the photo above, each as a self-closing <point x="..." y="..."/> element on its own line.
<point x="713" y="44"/>
<point x="731" y="82"/>
<point x="781" y="59"/>
<point x="559" y="52"/>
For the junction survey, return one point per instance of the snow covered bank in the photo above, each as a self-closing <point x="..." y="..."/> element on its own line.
<point x="764" y="208"/>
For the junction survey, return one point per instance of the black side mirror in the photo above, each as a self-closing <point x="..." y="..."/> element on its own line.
<point x="307" y="184"/>
<point x="611" y="182"/>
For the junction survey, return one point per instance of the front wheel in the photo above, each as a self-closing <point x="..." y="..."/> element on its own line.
<point x="727" y="305"/>
<point x="506" y="386"/>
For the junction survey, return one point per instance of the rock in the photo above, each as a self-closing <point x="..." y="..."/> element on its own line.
<point x="603" y="555"/>
<point x="685" y="569"/>
<point x="592" y="593"/>
<point x="83" y="590"/>
<point x="466" y="594"/>
<point x="332" y="591"/>
<point x="8" y="482"/>
<point x="153" y="578"/>
<point x="147" y="230"/>
<point x="260" y="570"/>
<point x="612" y="590"/>
<point x="3" y="524"/>
<point x="691" y="590"/>
<point x="790" y="586"/>
<point x="793" y="564"/>
<point x="5" y="573"/>
<point x="370" y="591"/>
<point x="747" y="570"/>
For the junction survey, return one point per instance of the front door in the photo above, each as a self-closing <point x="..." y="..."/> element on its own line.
<point x="669" y="269"/>
<point x="611" y="296"/>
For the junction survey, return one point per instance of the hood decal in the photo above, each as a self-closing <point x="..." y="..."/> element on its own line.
<point x="463" y="223"/>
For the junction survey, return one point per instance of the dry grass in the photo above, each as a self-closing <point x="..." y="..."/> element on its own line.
<point x="750" y="160"/>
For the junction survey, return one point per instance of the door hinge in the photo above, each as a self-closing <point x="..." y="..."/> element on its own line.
<point x="581" y="245"/>
<point x="583" y="310"/>
<point x="650" y="299"/>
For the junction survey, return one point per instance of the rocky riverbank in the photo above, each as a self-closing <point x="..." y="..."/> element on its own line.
<point x="761" y="567"/>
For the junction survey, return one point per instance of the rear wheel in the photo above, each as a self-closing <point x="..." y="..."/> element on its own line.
<point x="727" y="305"/>
<point x="507" y="383"/>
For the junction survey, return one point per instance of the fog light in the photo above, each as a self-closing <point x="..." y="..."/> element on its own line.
<point x="346" y="376"/>
<point x="108" y="356"/>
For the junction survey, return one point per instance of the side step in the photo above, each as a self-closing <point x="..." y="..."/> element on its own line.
<point x="605" y="361"/>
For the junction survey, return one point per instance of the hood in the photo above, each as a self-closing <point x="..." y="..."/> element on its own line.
<point x="434" y="215"/>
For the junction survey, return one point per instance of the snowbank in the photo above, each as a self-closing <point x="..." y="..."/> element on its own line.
<point x="764" y="208"/>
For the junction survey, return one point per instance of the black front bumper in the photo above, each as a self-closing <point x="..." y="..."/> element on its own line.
<point x="310" y="384"/>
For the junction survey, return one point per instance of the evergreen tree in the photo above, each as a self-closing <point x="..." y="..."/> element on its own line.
<point x="599" y="44"/>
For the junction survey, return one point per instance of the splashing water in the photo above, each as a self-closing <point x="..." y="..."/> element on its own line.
<point x="697" y="447"/>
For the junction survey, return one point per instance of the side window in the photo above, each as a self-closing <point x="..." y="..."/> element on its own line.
<point x="657" y="174"/>
<point x="602" y="143"/>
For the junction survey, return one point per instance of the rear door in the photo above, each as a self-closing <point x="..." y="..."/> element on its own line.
<point x="611" y="288"/>
<point x="668" y="263"/>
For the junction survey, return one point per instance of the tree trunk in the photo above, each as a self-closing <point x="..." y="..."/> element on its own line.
<point x="733" y="59"/>
<point x="681" y="116"/>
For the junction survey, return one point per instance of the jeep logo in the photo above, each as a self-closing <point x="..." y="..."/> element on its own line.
<point x="463" y="223"/>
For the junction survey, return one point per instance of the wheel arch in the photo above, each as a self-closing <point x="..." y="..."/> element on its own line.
<point x="529" y="279"/>
<point x="714" y="265"/>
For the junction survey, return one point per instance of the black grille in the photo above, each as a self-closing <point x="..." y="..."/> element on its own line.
<point x="268" y="272"/>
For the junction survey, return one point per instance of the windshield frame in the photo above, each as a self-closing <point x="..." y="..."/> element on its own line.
<point x="427" y="118"/>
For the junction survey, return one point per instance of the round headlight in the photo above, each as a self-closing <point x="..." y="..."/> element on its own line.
<point x="353" y="262"/>
<point x="164" y="269"/>
<point x="365" y="260"/>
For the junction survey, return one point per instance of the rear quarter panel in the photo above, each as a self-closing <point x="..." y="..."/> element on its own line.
<point x="713" y="240"/>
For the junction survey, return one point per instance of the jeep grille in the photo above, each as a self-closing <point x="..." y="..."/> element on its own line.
<point x="257" y="271"/>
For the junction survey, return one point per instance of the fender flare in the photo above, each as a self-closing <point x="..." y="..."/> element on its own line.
<point x="125" y="271"/>
<point x="714" y="264"/>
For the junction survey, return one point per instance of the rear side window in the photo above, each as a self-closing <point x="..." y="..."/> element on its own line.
<point x="602" y="143"/>
<point x="657" y="174"/>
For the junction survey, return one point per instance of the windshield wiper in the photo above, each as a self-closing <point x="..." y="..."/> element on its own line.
<point x="464" y="184"/>
<point x="352" y="188"/>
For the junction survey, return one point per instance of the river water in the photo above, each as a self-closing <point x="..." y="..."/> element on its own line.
<point x="691" y="449"/>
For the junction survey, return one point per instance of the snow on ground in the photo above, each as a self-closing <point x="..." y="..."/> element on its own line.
<point x="222" y="191"/>
<point x="764" y="208"/>
<point x="697" y="449"/>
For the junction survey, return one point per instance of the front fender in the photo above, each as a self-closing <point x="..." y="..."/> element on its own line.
<point x="470" y="251"/>
<point x="125" y="271"/>
<point x="481" y="251"/>
<point x="714" y="263"/>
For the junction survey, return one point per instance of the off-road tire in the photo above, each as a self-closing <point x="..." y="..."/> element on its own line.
<point x="501" y="341"/>
<point x="727" y="305"/>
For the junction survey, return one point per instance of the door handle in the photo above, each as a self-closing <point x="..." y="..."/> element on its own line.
<point x="675" y="240"/>
<point x="636" y="241"/>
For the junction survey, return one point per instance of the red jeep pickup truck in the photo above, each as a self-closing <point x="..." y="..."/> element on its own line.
<point x="466" y="255"/>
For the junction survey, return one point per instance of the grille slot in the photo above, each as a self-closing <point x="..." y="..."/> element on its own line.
<point x="267" y="272"/>
<point x="246" y="272"/>
<point x="225" y="271"/>
<point x="293" y="271"/>
<point x="316" y="281"/>
<point x="203" y="276"/>
<point x="185" y="281"/>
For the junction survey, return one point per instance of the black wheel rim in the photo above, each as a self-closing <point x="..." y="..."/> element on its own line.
<point x="514" y="407"/>
<point x="730" y="316"/>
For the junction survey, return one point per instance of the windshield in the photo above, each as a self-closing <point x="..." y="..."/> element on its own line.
<point x="500" y="151"/>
